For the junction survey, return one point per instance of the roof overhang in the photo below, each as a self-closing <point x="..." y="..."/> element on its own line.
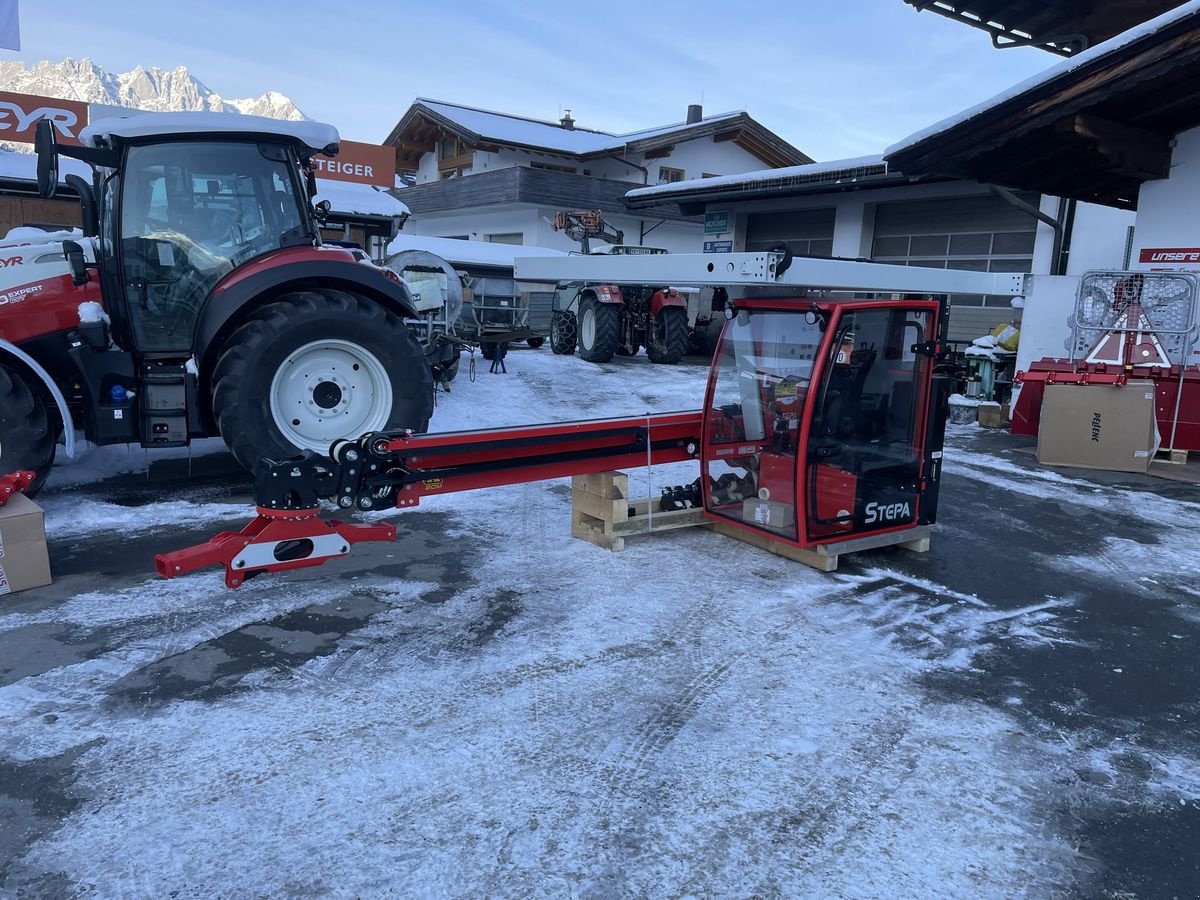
<point x="1065" y="28"/>
<point x="1093" y="128"/>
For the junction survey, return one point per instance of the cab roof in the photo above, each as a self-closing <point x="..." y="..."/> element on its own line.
<point x="316" y="136"/>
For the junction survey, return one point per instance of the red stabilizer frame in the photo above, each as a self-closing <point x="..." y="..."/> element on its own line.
<point x="15" y="483"/>
<point x="275" y="541"/>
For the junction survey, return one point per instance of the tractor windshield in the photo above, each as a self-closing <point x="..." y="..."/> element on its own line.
<point x="190" y="213"/>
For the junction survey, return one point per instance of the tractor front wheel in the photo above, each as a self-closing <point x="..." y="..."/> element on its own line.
<point x="599" y="329"/>
<point x="563" y="333"/>
<point x="668" y="340"/>
<point x="315" y="367"/>
<point x="27" y="440"/>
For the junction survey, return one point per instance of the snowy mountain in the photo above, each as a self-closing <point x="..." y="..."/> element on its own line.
<point x="151" y="89"/>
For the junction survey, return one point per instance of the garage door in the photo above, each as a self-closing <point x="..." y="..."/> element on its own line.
<point x="808" y="232"/>
<point x="982" y="234"/>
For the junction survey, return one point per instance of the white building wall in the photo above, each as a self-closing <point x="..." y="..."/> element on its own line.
<point x="427" y="169"/>
<point x="1166" y="216"/>
<point x="704" y="156"/>
<point x="536" y="228"/>
<point x="1098" y="238"/>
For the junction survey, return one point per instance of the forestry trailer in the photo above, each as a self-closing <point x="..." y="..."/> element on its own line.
<point x="199" y="301"/>
<point x="607" y="319"/>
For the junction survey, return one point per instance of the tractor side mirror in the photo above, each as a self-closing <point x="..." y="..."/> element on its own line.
<point x="75" y="259"/>
<point x="321" y="210"/>
<point x="47" y="158"/>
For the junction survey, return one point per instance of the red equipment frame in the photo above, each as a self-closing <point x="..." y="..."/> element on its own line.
<point x="398" y="469"/>
<point x="17" y="482"/>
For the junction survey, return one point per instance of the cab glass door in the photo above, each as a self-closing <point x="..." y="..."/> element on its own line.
<point x="863" y="464"/>
<point x="756" y="399"/>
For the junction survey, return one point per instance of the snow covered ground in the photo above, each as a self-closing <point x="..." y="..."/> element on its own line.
<point x="491" y="708"/>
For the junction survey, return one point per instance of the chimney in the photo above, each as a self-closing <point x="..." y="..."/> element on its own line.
<point x="695" y="113"/>
<point x="566" y="121"/>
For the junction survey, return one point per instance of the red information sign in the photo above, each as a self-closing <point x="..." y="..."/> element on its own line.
<point x="1170" y="256"/>
<point x="20" y="113"/>
<point x="361" y="163"/>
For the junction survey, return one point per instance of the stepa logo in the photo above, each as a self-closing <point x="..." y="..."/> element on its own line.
<point x="887" y="512"/>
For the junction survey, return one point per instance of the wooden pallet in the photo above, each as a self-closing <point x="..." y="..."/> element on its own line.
<point x="824" y="557"/>
<point x="602" y="514"/>
<point x="1174" y="457"/>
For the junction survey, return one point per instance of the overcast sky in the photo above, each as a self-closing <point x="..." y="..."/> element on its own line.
<point x="837" y="78"/>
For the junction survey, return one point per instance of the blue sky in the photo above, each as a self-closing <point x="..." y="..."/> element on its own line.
<point x="837" y="79"/>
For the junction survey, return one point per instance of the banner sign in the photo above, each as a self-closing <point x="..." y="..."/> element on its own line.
<point x="20" y="113"/>
<point x="360" y="163"/>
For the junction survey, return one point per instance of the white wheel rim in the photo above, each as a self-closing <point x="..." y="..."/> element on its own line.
<point x="328" y="390"/>
<point x="587" y="328"/>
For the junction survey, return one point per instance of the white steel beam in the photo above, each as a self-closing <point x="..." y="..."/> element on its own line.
<point x="730" y="269"/>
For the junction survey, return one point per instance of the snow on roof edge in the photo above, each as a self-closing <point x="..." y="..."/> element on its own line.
<point x="763" y="176"/>
<point x="347" y="197"/>
<point x="314" y="135"/>
<point x="1067" y="65"/>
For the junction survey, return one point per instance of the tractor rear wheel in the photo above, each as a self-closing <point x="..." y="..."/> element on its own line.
<point x="315" y="367"/>
<point x="599" y="329"/>
<point x="536" y="341"/>
<point x="563" y="333"/>
<point x="668" y="341"/>
<point x="27" y="439"/>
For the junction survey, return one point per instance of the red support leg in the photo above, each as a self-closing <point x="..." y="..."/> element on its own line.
<point x="275" y="541"/>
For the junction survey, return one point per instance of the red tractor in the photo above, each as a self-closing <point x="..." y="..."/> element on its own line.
<point x="199" y="301"/>
<point x="607" y="319"/>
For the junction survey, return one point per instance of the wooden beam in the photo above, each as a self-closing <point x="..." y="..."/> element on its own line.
<point x="731" y="135"/>
<point x="415" y="146"/>
<point x="1131" y="151"/>
<point x="660" y="153"/>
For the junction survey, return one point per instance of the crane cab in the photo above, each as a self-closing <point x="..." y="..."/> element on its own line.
<point x="823" y="419"/>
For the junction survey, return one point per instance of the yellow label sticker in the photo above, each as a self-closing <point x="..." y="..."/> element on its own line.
<point x="433" y="484"/>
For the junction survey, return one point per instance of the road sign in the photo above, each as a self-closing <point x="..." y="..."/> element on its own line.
<point x="718" y="246"/>
<point x="716" y="222"/>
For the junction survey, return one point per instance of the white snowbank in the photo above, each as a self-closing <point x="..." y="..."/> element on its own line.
<point x="358" y="199"/>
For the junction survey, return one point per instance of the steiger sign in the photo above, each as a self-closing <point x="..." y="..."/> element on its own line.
<point x="20" y="113"/>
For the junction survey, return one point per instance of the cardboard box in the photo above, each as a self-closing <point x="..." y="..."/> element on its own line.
<point x="24" y="561"/>
<point x="768" y="513"/>
<point x="1099" y="426"/>
<point x="994" y="415"/>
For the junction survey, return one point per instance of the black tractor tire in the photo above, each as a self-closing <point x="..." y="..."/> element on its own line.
<point x="668" y="341"/>
<point x="261" y="346"/>
<point x="536" y="341"/>
<point x="27" y="437"/>
<point x="563" y="333"/>
<point x="487" y="349"/>
<point x="604" y="329"/>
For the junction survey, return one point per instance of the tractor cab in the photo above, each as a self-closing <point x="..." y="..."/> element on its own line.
<point x="820" y="419"/>
<point x="179" y="207"/>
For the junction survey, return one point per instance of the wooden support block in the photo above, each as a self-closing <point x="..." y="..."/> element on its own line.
<point x="598" y="503"/>
<point x="1174" y="457"/>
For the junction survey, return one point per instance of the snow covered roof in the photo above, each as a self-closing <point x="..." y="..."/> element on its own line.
<point x="833" y="172"/>
<point x="487" y="126"/>
<point x="469" y="253"/>
<point x="350" y="198"/>
<point x="314" y="135"/>
<point x="1067" y="66"/>
<point x="16" y="166"/>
